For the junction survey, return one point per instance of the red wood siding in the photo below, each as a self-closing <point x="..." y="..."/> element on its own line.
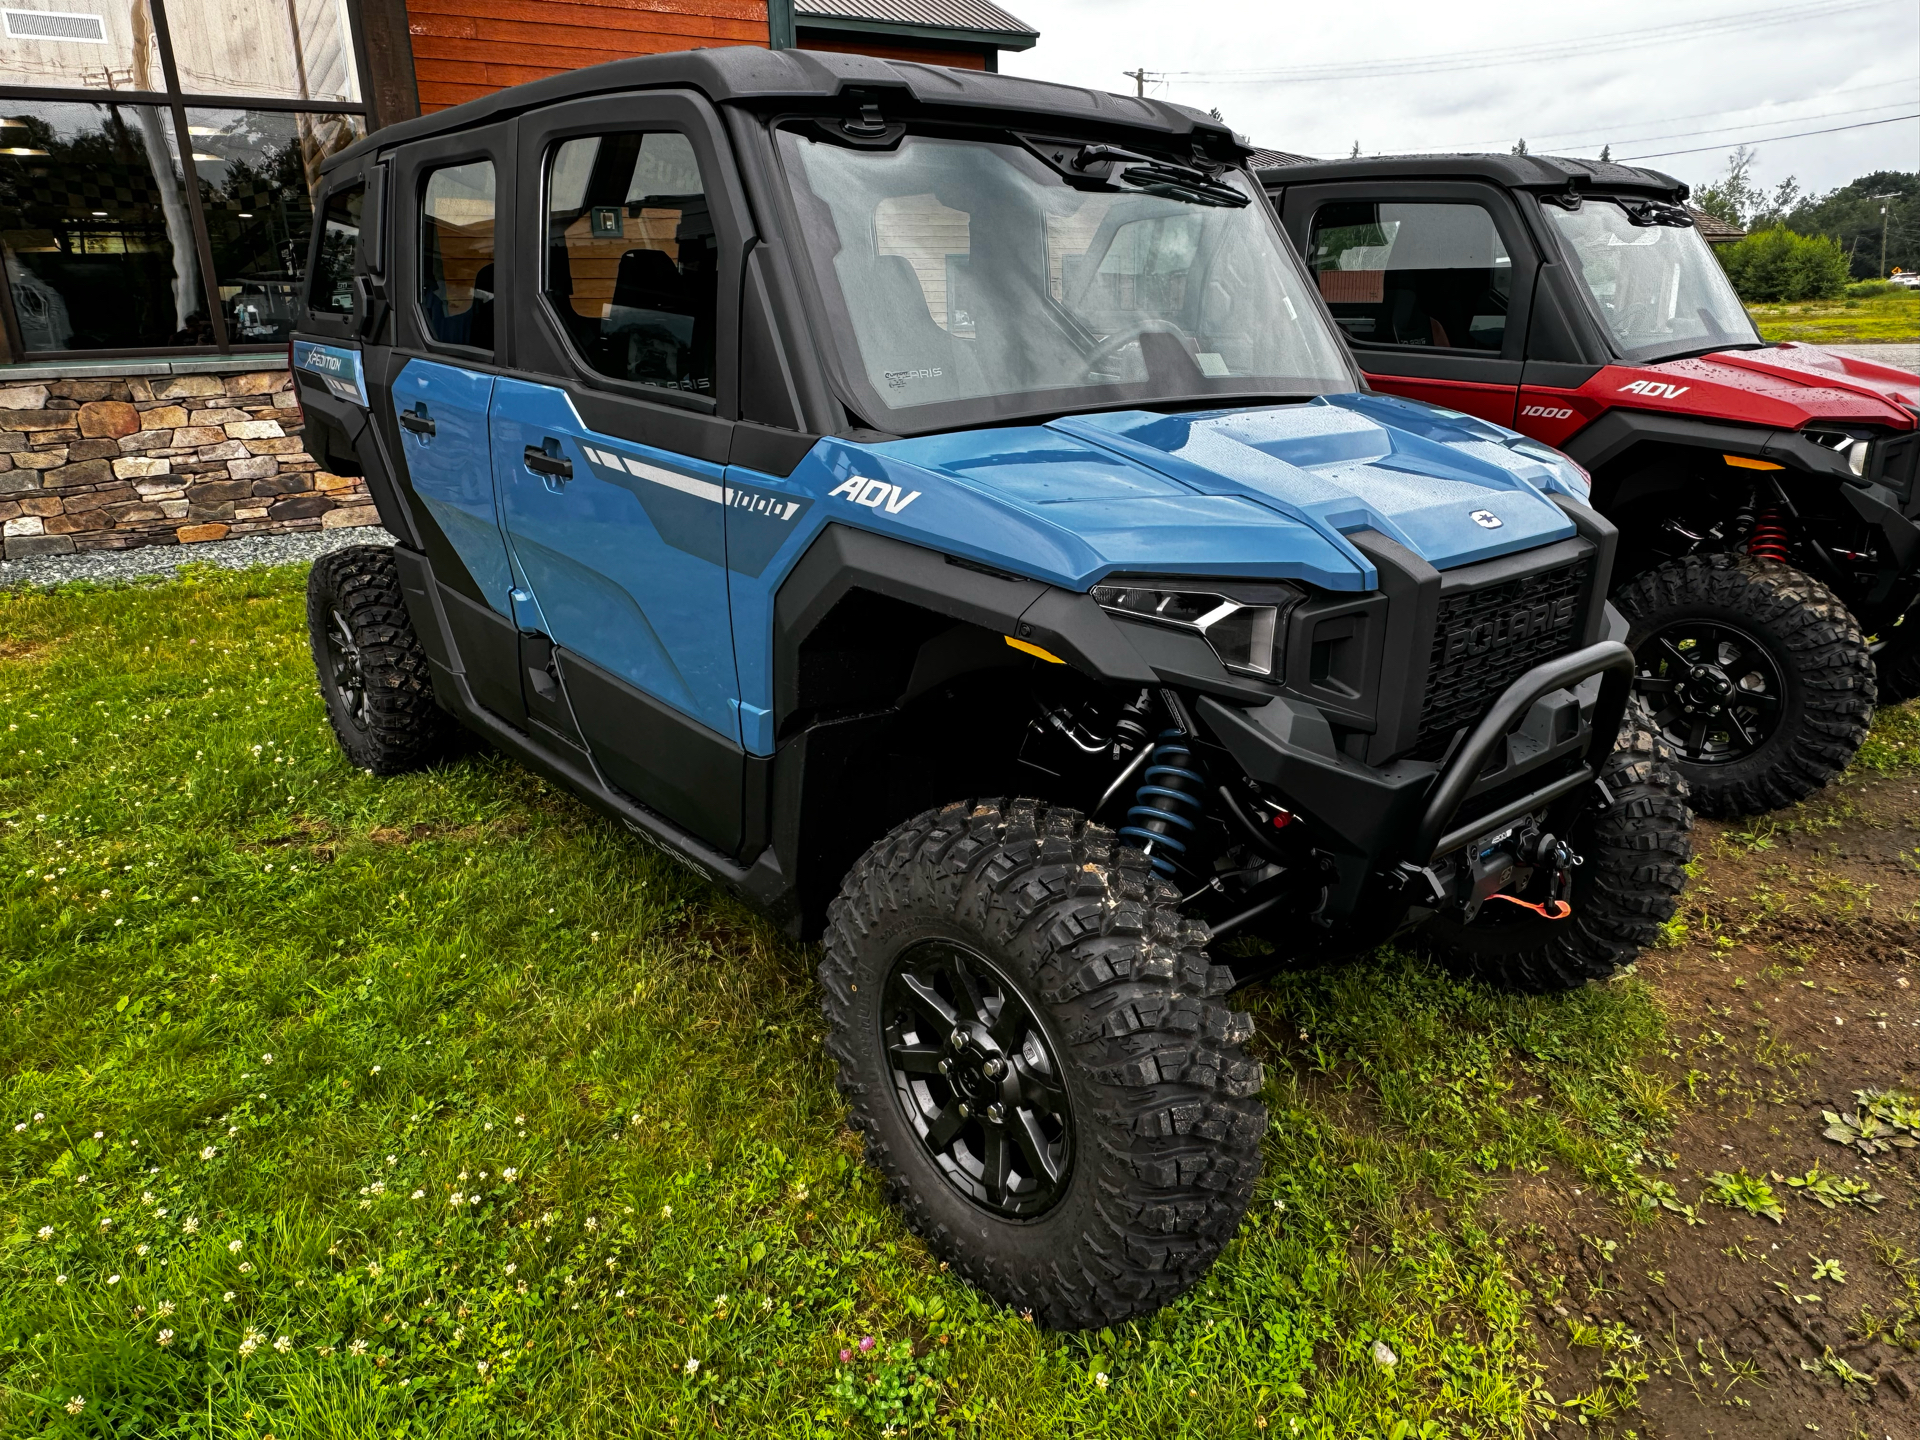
<point x="463" y="49"/>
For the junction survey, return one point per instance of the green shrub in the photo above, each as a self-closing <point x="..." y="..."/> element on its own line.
<point x="1777" y="264"/>
<point x="1869" y="289"/>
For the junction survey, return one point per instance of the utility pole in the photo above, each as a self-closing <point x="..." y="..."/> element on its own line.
<point x="1139" y="78"/>
<point x="1890" y="195"/>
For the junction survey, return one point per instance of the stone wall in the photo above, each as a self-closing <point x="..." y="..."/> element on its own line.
<point x="115" y="462"/>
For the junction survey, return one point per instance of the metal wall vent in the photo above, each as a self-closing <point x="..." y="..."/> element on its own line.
<point x="64" y="25"/>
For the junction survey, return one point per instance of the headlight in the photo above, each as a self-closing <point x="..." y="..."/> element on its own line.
<point x="1240" y="632"/>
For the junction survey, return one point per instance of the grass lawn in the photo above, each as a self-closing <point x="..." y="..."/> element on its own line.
<point x="1830" y="322"/>
<point x="336" y="1107"/>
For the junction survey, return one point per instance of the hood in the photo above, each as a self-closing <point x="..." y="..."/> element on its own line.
<point x="1785" y="386"/>
<point x="1270" y="492"/>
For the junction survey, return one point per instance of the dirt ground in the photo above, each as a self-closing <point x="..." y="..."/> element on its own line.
<point x="1797" y="984"/>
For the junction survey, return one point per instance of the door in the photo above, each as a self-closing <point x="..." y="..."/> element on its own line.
<point x="1430" y="284"/>
<point x="449" y="194"/>
<point x="610" y="444"/>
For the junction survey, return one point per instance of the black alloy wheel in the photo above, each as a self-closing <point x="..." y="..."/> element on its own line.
<point x="346" y="669"/>
<point x="977" y="1079"/>
<point x="371" y="665"/>
<point x="1756" y="676"/>
<point x="1716" y="693"/>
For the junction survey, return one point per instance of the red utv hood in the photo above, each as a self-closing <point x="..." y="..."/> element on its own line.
<point x="1783" y="387"/>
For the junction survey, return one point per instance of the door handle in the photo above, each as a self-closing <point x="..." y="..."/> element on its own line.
<point x="544" y="462"/>
<point x="417" y="420"/>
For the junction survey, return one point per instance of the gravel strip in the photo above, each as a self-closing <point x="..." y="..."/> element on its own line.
<point x="120" y="566"/>
<point x="1901" y="357"/>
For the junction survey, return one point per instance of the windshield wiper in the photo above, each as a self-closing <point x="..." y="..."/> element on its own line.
<point x="1112" y="167"/>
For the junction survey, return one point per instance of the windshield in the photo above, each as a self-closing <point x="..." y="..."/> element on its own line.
<point x="1657" y="287"/>
<point x="968" y="281"/>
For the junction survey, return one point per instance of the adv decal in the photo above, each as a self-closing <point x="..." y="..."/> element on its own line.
<point x="337" y="365"/>
<point x="1655" y="389"/>
<point x="874" y="494"/>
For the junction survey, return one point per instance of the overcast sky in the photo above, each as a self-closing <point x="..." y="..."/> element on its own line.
<point x="1647" y="77"/>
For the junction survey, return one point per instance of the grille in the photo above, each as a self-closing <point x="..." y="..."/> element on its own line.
<point x="1487" y="638"/>
<point x="55" y="25"/>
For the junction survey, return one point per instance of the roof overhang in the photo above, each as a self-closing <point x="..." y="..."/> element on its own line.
<point x="937" y="34"/>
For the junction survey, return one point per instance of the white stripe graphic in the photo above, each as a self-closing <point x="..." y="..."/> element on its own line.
<point x="685" y="484"/>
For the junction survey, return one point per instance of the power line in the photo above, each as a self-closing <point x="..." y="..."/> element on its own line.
<point x="1544" y="50"/>
<point x="1585" y="132"/>
<point x="1770" y="139"/>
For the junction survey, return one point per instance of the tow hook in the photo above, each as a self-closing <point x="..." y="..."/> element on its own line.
<point x="1541" y="849"/>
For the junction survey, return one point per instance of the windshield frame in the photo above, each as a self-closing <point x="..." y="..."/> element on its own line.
<point x="1644" y="354"/>
<point x="835" y="343"/>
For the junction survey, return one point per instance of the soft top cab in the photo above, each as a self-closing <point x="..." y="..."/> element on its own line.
<point x="805" y="457"/>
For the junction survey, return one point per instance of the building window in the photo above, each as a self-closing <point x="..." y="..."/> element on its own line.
<point x="157" y="167"/>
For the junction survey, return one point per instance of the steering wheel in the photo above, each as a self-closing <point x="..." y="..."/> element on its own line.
<point x="1120" y="339"/>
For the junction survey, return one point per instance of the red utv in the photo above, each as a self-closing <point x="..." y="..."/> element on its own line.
<point x="1765" y="494"/>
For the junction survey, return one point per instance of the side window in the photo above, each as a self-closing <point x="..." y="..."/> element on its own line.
<point x="331" y="288"/>
<point x="456" y="254"/>
<point x="632" y="258"/>
<point x="1413" y="273"/>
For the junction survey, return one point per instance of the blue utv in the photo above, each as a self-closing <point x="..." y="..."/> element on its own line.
<point x="937" y="507"/>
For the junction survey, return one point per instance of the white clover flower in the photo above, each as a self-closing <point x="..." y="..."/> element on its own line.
<point x="146" y="1197"/>
<point x="510" y="1174"/>
<point x="358" y="1347"/>
<point x="456" y="1199"/>
<point x="228" y="1297"/>
<point x="518" y="1119"/>
<point x="105" y="1221"/>
<point x="233" y="1246"/>
<point x="283" y="1344"/>
<point x="76" y="1405"/>
<point x="373" y="1268"/>
<point x="99" y="1134"/>
<point x="418" y="1195"/>
<point x="691" y="1366"/>
<point x="164" y="1338"/>
<point x="59" y="1279"/>
<point x="208" y="1153"/>
<point x="374" y="1071"/>
<point x="46" y="1232"/>
<point x="1101" y="1379"/>
<point x="21" y="1126"/>
<point x="190" y="1224"/>
<point x="461" y="1176"/>
<point x="379" y="1187"/>
<point x="141" y="1249"/>
<point x="39" y="1115"/>
<point x="250" y="1342"/>
<point x="666" y="1212"/>
<point x="113" y="1279"/>
<point x="592" y="1223"/>
<point x="511" y="1267"/>
<point x="267" y="1059"/>
<point x="246" y="1267"/>
<point x="166" y="1309"/>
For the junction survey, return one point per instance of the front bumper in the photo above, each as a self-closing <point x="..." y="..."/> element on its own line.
<point x="1556" y="724"/>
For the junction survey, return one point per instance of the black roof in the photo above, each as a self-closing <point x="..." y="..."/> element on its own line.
<point x="746" y="75"/>
<point x="1520" y="172"/>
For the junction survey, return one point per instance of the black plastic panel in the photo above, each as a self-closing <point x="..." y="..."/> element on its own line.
<point x="663" y="759"/>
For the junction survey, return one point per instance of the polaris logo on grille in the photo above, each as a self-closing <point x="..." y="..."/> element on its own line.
<point x="1496" y="632"/>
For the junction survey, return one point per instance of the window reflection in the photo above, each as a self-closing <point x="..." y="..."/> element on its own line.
<point x="290" y="49"/>
<point x="98" y="247"/>
<point x="257" y="170"/>
<point x="79" y="45"/>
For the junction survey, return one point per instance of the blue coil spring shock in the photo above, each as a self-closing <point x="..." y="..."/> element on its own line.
<point x="1166" y="803"/>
